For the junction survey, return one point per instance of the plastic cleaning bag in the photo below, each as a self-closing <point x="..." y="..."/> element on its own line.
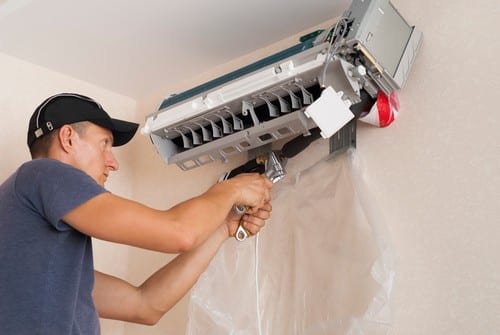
<point x="322" y="264"/>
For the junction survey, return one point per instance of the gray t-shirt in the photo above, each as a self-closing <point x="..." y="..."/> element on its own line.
<point x="46" y="266"/>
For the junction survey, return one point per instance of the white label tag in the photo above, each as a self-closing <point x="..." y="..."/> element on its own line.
<point x="329" y="112"/>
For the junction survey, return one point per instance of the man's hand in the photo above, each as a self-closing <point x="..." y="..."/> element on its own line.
<point x="253" y="222"/>
<point x="252" y="190"/>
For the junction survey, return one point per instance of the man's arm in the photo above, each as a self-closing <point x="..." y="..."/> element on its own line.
<point x="146" y="304"/>
<point x="178" y="229"/>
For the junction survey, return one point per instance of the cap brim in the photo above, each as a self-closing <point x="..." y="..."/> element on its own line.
<point x="123" y="131"/>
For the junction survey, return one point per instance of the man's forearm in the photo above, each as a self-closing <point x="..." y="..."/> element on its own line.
<point x="118" y="299"/>
<point x="181" y="228"/>
<point x="168" y="285"/>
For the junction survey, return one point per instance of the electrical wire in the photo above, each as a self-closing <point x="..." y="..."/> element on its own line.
<point x="257" y="291"/>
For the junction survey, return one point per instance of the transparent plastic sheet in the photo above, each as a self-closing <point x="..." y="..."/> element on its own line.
<point x="323" y="263"/>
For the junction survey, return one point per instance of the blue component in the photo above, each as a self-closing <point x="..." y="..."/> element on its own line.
<point x="237" y="73"/>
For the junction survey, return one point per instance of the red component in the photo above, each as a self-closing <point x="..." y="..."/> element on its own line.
<point x="388" y="108"/>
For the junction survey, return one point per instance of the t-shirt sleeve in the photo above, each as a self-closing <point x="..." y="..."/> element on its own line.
<point x="52" y="189"/>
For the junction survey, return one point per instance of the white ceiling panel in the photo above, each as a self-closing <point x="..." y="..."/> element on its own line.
<point x="132" y="47"/>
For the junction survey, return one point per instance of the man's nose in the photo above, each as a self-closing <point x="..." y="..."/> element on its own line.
<point x="111" y="161"/>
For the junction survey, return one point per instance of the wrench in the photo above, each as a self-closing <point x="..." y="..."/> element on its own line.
<point x="275" y="171"/>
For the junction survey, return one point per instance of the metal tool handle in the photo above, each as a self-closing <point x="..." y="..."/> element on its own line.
<point x="241" y="233"/>
<point x="240" y="209"/>
<point x="275" y="172"/>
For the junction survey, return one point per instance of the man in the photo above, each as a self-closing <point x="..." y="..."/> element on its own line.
<point x="53" y="204"/>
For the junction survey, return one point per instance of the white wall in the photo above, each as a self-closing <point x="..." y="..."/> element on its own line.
<point x="437" y="173"/>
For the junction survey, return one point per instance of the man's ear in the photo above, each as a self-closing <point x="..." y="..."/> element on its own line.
<point x="66" y="137"/>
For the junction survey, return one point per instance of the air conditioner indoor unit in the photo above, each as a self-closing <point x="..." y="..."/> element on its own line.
<point x="318" y="87"/>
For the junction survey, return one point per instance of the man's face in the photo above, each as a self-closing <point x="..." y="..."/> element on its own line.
<point x="93" y="153"/>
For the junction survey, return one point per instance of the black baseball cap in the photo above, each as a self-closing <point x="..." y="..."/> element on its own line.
<point x="66" y="108"/>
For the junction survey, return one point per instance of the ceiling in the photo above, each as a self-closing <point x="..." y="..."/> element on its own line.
<point x="133" y="47"/>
